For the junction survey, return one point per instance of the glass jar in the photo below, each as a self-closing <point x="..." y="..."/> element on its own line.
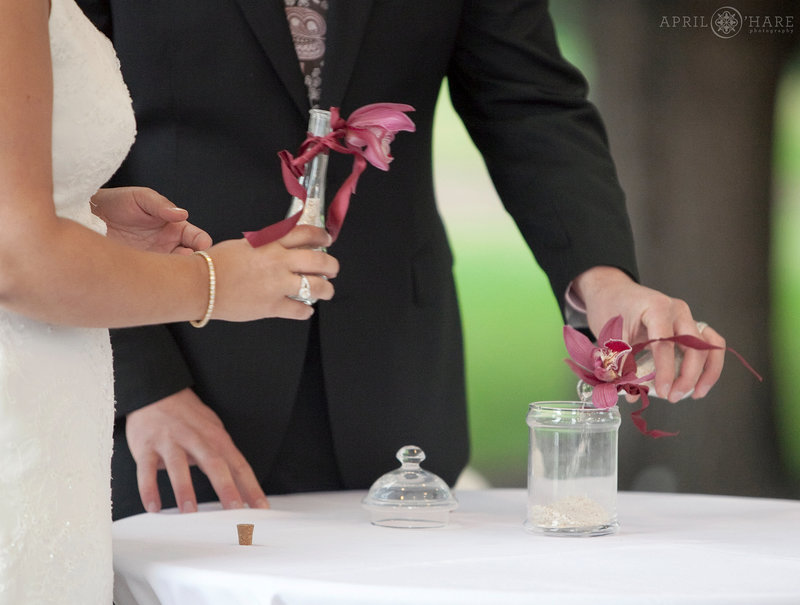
<point x="572" y="469"/>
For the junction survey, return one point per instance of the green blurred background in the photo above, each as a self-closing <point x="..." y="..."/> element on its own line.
<point x="514" y="347"/>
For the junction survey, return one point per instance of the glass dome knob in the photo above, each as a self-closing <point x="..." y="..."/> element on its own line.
<point x="411" y="456"/>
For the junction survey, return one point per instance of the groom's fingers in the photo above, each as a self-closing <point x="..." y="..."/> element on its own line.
<point x="177" y="465"/>
<point x="194" y="238"/>
<point x="146" y="471"/>
<point x="232" y="477"/>
<point x="153" y="203"/>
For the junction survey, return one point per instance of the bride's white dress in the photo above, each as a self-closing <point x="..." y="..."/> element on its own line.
<point x="56" y="391"/>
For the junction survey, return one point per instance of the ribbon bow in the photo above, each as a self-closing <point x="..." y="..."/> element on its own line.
<point x="366" y="135"/>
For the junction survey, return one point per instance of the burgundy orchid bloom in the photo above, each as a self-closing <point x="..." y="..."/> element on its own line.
<point x="366" y="135"/>
<point x="607" y="368"/>
<point x="371" y="130"/>
<point x="610" y="368"/>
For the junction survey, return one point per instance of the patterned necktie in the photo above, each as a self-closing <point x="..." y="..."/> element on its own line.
<point x="307" y="24"/>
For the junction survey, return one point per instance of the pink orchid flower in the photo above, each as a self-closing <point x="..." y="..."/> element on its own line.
<point x="372" y="128"/>
<point x="607" y="368"/>
<point x="610" y="368"/>
<point x="367" y="135"/>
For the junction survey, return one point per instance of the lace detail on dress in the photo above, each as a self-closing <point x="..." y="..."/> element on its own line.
<point x="56" y="382"/>
<point x="93" y="124"/>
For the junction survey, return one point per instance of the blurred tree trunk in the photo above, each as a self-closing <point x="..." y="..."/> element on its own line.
<point x="690" y="120"/>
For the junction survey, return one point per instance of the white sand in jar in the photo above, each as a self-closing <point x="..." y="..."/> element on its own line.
<point x="570" y="512"/>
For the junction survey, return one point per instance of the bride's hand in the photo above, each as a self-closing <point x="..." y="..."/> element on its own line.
<point x="252" y="283"/>
<point x="145" y="219"/>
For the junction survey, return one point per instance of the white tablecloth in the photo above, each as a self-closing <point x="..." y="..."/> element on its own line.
<point x="321" y="548"/>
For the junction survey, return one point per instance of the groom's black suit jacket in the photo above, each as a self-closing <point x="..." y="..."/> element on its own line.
<point x="218" y="92"/>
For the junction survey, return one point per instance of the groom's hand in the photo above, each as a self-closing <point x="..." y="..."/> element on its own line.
<point x="650" y="314"/>
<point x="177" y="432"/>
<point x="145" y="219"/>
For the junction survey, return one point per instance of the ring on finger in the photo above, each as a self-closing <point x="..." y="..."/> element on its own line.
<point x="304" y="293"/>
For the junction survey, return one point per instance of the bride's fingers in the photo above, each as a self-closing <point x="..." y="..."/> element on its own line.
<point x="321" y="288"/>
<point x="306" y="236"/>
<point x="289" y="308"/>
<point x="310" y="287"/>
<point x="313" y="262"/>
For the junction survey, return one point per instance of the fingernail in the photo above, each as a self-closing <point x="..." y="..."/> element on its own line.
<point x="677" y="396"/>
<point x="234" y="504"/>
<point x="189" y="507"/>
<point x="176" y="209"/>
<point x="262" y="503"/>
<point x="151" y="507"/>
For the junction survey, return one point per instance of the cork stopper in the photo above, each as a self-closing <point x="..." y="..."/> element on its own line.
<point x="245" y="531"/>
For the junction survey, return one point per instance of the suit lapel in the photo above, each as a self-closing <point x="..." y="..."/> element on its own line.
<point x="347" y="21"/>
<point x="267" y="18"/>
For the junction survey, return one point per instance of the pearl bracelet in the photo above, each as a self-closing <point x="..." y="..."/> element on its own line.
<point x="212" y="290"/>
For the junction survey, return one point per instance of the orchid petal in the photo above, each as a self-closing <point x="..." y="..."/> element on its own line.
<point x="390" y="116"/>
<point x="371" y="130"/>
<point x="612" y="330"/>
<point x="605" y="395"/>
<point x="617" y="346"/>
<point x="583" y="373"/>
<point x="634" y="379"/>
<point x="629" y="365"/>
<point x="579" y="347"/>
<point x="371" y="145"/>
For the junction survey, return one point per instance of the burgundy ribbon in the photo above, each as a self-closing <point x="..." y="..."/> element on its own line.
<point x="639" y="389"/>
<point x="292" y="169"/>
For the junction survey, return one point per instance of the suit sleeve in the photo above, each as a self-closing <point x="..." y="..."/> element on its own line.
<point x="543" y="142"/>
<point x="148" y="366"/>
